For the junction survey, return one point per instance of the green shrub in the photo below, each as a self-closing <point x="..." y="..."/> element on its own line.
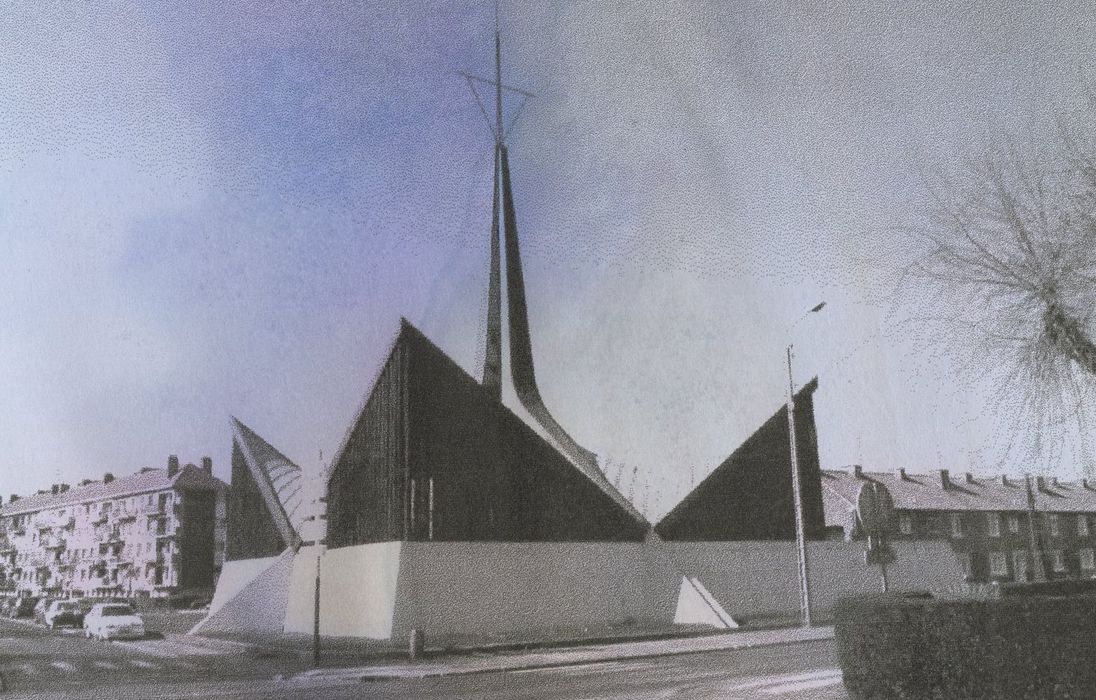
<point x="1019" y="647"/>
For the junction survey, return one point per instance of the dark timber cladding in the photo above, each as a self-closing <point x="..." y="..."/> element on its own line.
<point x="434" y="457"/>
<point x="749" y="496"/>
<point x="252" y="532"/>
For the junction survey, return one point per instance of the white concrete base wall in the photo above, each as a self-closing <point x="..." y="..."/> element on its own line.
<point x="357" y="591"/>
<point x="491" y="587"/>
<point x="382" y="591"/>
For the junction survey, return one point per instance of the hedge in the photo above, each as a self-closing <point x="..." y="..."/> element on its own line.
<point x="1016" y="647"/>
<point x="1063" y="587"/>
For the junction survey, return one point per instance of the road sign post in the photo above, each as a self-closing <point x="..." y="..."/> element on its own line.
<point x="875" y="511"/>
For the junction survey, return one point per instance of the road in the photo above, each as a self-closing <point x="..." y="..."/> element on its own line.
<point x="37" y="663"/>
<point x="34" y="660"/>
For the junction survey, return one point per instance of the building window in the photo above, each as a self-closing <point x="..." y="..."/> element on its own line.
<point x="964" y="563"/>
<point x="1082" y="525"/>
<point x="905" y="524"/>
<point x="993" y="524"/>
<point x="1088" y="559"/>
<point x="430" y="506"/>
<point x="956" y="525"/>
<point x="1019" y="565"/>
<point x="1014" y="524"/>
<point x="1052" y="523"/>
<point x="998" y="564"/>
<point x="1057" y="560"/>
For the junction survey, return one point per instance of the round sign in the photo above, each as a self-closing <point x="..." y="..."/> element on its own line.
<point x="875" y="508"/>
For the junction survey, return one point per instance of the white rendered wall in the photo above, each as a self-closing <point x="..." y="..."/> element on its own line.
<point x="382" y="591"/>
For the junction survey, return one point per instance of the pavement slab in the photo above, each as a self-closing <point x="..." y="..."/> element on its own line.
<point x="571" y="656"/>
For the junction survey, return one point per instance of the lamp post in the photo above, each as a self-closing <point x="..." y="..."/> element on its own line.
<point x="797" y="494"/>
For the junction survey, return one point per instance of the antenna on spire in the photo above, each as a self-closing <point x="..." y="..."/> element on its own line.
<point x="499" y="129"/>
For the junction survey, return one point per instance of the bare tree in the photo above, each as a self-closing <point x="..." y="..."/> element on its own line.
<point x="1011" y="257"/>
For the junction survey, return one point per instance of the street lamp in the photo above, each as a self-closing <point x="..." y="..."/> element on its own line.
<point x="800" y="534"/>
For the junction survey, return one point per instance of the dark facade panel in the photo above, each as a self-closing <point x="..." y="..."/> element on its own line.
<point x="474" y="471"/>
<point x="195" y="539"/>
<point x="749" y="496"/>
<point x="366" y="494"/>
<point x="251" y="529"/>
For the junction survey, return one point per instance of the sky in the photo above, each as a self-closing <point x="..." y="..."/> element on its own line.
<point x="209" y="211"/>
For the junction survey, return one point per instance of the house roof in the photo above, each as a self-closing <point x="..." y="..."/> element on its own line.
<point x="188" y="478"/>
<point x="964" y="492"/>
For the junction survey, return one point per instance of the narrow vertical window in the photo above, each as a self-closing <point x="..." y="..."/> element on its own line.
<point x="993" y="522"/>
<point x="430" y="518"/>
<point x="412" y="499"/>
<point x="1082" y="525"/>
<point x="956" y="525"/>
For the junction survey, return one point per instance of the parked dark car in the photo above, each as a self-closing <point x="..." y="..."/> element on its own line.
<point x="23" y="607"/>
<point x="63" y="613"/>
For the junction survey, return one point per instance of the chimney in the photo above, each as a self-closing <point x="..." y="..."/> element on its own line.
<point x="85" y="482"/>
<point x="1041" y="483"/>
<point x="858" y="471"/>
<point x="1005" y="481"/>
<point x="172" y="465"/>
<point x="1054" y="481"/>
<point x="207" y="465"/>
<point x="53" y="489"/>
<point x="945" y="481"/>
<point x="1086" y="484"/>
<point x="13" y="499"/>
<point x="63" y="487"/>
<point x="968" y="477"/>
<point x="900" y="473"/>
<point x="107" y="478"/>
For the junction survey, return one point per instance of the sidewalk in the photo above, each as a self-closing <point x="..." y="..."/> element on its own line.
<point x="489" y="663"/>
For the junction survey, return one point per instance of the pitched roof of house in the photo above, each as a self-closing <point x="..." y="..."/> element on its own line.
<point x="278" y="478"/>
<point x="963" y="492"/>
<point x="189" y="477"/>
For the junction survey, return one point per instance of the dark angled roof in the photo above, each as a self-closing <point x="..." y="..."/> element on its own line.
<point x="278" y="478"/>
<point x="189" y="477"/>
<point x="584" y="464"/>
<point x="926" y="492"/>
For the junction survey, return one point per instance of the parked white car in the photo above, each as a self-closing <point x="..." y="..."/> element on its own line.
<point x="113" y="621"/>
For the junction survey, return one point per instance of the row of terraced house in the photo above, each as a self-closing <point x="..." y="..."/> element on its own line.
<point x="152" y="533"/>
<point x="999" y="527"/>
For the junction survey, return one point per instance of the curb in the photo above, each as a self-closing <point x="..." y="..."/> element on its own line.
<point x="410" y="672"/>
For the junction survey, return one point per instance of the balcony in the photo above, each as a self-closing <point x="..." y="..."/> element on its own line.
<point x="101" y="519"/>
<point x="54" y="543"/>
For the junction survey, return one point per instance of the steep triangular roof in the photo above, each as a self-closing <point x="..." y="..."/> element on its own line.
<point x="587" y="468"/>
<point x="278" y="478"/>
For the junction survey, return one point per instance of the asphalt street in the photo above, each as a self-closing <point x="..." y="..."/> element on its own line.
<point x="34" y="660"/>
<point x="37" y="663"/>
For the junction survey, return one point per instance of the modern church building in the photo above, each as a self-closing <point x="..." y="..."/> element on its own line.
<point x="450" y="511"/>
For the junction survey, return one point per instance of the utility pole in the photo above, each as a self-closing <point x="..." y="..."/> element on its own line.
<point x="800" y="534"/>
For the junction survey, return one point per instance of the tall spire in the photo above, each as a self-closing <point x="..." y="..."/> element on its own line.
<point x="492" y="357"/>
<point x="504" y="230"/>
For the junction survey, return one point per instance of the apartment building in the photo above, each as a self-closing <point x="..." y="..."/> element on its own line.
<point x="985" y="520"/>
<point x="151" y="533"/>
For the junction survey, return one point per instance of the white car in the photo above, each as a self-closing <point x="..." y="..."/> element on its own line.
<point x="113" y="621"/>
